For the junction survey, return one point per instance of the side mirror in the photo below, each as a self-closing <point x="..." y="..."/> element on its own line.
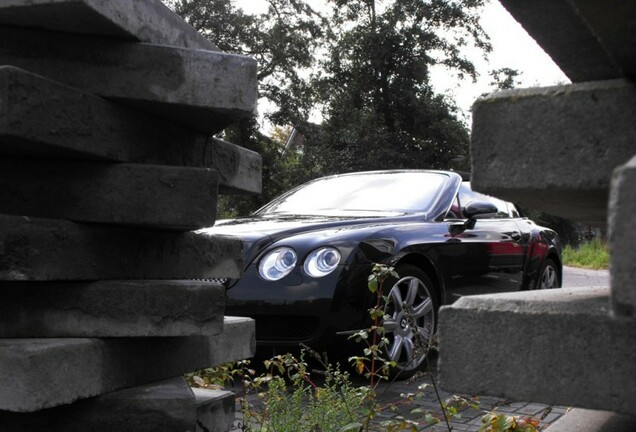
<point x="476" y="208"/>
<point x="472" y="210"/>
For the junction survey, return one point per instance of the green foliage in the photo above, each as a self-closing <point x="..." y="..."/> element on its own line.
<point x="590" y="255"/>
<point x="493" y="422"/>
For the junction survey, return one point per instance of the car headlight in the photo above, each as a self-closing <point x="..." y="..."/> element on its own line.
<point x="322" y="261"/>
<point x="277" y="264"/>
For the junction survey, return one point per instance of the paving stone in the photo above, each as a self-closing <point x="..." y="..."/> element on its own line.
<point x="529" y="346"/>
<point x="127" y="194"/>
<point x="42" y="118"/>
<point x="43" y="373"/>
<point x="111" y="309"/>
<point x="567" y="37"/>
<point x="583" y="420"/>
<point x="33" y="249"/>
<point x="142" y="21"/>
<point x="205" y="90"/>
<point x="563" y="131"/>
<point x="166" y="406"/>
<point x="621" y="240"/>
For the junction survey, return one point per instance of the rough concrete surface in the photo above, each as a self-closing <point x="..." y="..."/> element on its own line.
<point x="33" y="249"/>
<point x="529" y="346"/>
<point x="563" y="131"/>
<point x="166" y="406"/>
<point x="143" y="21"/>
<point x="125" y="194"/>
<point x="621" y="240"/>
<point x="111" y="309"/>
<point x="205" y="90"/>
<point x="44" y="373"/>
<point x="42" y="118"/>
<point x="568" y="38"/>
<point x="583" y="420"/>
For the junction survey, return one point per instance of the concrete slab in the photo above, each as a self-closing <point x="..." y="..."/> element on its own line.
<point x="141" y="21"/>
<point x="531" y="145"/>
<point x="42" y="118"/>
<point x="111" y="309"/>
<point x="621" y="240"/>
<point x="123" y="194"/>
<point x="78" y="368"/>
<point x="582" y="420"/>
<point x="33" y="249"/>
<point x="204" y="90"/>
<point x="566" y="36"/>
<point x="166" y="406"/>
<point x="558" y="347"/>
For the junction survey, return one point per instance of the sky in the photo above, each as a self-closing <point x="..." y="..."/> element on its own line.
<point x="512" y="48"/>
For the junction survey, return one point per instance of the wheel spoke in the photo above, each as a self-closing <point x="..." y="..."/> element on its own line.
<point x="396" y="348"/>
<point x="408" y="348"/>
<point x="396" y="298"/>
<point x="412" y="290"/>
<point x="423" y="308"/>
<point x="390" y="325"/>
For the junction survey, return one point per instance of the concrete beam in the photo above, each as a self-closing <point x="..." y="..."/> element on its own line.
<point x="621" y="240"/>
<point x="531" y="145"/>
<point x="123" y="194"/>
<point x="557" y="347"/>
<point x="141" y="21"/>
<point x="583" y="420"/>
<point x="166" y="406"/>
<point x="587" y="40"/>
<point x="78" y="368"/>
<point x="41" y="249"/>
<point x="204" y="90"/>
<point x="111" y="309"/>
<point x="42" y="118"/>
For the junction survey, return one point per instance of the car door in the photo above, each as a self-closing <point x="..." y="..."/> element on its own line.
<point x="489" y="257"/>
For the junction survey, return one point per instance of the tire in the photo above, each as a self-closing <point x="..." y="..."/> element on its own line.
<point x="549" y="276"/>
<point x="413" y="303"/>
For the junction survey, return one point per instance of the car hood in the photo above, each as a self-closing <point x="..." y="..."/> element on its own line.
<point x="257" y="233"/>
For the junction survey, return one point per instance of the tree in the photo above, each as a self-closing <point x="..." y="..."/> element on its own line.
<point x="380" y="110"/>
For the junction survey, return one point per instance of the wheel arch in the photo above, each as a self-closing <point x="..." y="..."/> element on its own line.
<point x="426" y="265"/>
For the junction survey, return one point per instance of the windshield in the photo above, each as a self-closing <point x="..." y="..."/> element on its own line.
<point x="361" y="194"/>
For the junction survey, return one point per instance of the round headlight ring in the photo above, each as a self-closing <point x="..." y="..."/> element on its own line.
<point x="322" y="261"/>
<point x="277" y="264"/>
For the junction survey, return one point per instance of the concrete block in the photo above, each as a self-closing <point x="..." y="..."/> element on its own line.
<point x="531" y="145"/>
<point x="583" y="420"/>
<point x="33" y="249"/>
<point x="41" y="118"/>
<point x="126" y="194"/>
<point x="204" y="90"/>
<point x="43" y="373"/>
<point x="167" y="406"/>
<point x="567" y="37"/>
<point x="141" y="21"/>
<point x="553" y="346"/>
<point x="111" y="309"/>
<point x="621" y="240"/>
<point x="239" y="168"/>
<point x="215" y="410"/>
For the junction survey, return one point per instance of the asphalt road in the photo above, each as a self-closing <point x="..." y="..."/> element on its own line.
<point x="576" y="277"/>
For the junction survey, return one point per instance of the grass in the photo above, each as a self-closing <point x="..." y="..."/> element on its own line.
<point x="592" y="255"/>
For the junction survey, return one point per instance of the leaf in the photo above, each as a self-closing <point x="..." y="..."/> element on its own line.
<point x="373" y="285"/>
<point x="198" y="381"/>
<point x="351" y="427"/>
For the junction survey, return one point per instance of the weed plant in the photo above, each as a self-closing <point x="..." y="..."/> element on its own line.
<point x="291" y="399"/>
<point x="591" y="255"/>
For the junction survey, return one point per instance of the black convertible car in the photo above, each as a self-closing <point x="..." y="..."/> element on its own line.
<point x="308" y="255"/>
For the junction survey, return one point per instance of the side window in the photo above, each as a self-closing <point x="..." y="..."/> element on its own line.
<point x="455" y="212"/>
<point x="467" y="195"/>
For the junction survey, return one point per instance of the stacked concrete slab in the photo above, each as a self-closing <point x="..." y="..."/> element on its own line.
<point x="108" y="167"/>
<point x="568" y="150"/>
